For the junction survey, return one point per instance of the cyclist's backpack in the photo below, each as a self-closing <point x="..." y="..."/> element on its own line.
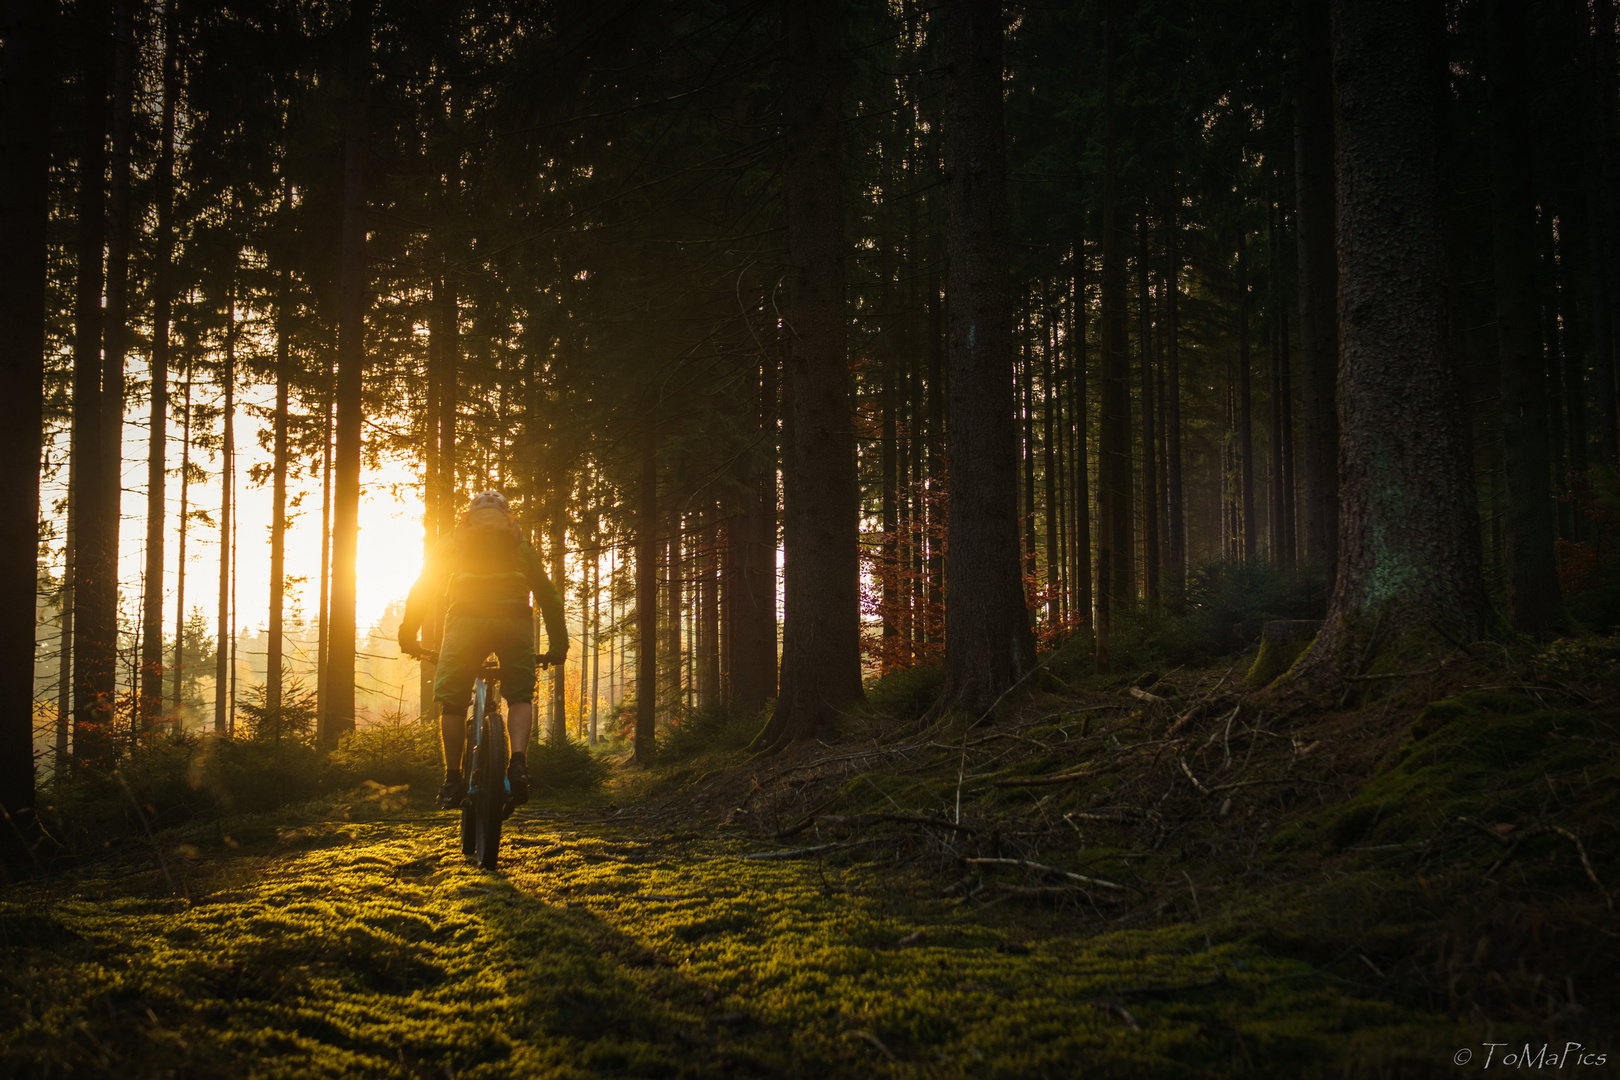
<point x="487" y="539"/>
<point x="488" y="580"/>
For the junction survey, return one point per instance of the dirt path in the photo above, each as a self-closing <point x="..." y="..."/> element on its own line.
<point x="342" y="948"/>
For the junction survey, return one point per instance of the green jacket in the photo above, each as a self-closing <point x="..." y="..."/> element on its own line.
<point x="445" y="583"/>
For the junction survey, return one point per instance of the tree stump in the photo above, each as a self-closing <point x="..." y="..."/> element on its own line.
<point x="1281" y="643"/>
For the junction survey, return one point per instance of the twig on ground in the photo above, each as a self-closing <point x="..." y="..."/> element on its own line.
<point x="1052" y="870"/>
<point x="1198" y="910"/>
<point x="1608" y="900"/>
<point x="1044" y="781"/>
<point x="1152" y="699"/>
<point x="798" y="853"/>
<point x="156" y="848"/>
<point x="1114" y="1008"/>
<point x="1194" y="779"/>
<point x="875" y="1043"/>
<point x="808" y="820"/>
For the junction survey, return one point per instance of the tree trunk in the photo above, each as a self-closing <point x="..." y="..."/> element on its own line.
<point x="988" y="644"/>
<point x="180" y="549"/>
<point x="1318" y="284"/>
<point x="822" y="666"/>
<point x="120" y="228"/>
<point x="1176" y="587"/>
<point x="339" y="716"/>
<point x="1246" y="530"/>
<point x="1408" y="526"/>
<point x="1534" y="598"/>
<point x="1049" y="473"/>
<point x="647" y="603"/>
<point x="93" y="629"/>
<point x="29" y="31"/>
<point x="559" y="672"/>
<point x="1113" y="515"/>
<point x="151" y="688"/>
<point x="753" y="603"/>
<point x="1082" y="412"/>
<point x="1150" y="468"/>
<point x="223" y="670"/>
<point x="278" y="497"/>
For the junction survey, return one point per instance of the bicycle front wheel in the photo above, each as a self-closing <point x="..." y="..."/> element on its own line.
<point x="489" y="805"/>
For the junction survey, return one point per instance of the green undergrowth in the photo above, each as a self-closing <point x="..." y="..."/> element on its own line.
<point x="1260" y="893"/>
<point x="345" y="949"/>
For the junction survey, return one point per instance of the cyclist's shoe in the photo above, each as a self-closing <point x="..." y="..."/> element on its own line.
<point x="452" y="794"/>
<point x="517" y="775"/>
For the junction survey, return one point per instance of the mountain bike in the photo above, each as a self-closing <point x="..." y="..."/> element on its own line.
<point x="489" y="792"/>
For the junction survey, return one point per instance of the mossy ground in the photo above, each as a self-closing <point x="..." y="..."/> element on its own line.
<point x="1297" y="897"/>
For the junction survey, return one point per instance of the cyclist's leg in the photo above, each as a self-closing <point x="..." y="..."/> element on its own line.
<point x="460" y="655"/>
<point x="516" y="651"/>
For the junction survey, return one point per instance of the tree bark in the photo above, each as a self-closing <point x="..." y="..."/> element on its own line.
<point x="115" y="341"/>
<point x="178" y="698"/>
<point x="93" y="629"/>
<point x="988" y="644"/>
<point x="1246" y="530"/>
<point x="339" y="715"/>
<point x="1534" y="597"/>
<point x="151" y="688"/>
<point x="274" y="648"/>
<point x="1113" y="508"/>
<point x="1318" y="283"/>
<point x="822" y="662"/>
<point x="753" y="601"/>
<point x="1176" y="588"/>
<point x="1081" y="407"/>
<point x="28" y="30"/>
<point x="647" y="603"/>
<point x="1150" y="468"/>
<point x="223" y="670"/>
<point x="1408" y="526"/>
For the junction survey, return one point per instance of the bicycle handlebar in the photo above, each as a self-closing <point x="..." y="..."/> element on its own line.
<point x="541" y="660"/>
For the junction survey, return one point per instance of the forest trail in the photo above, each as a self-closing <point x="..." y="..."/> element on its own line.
<point x="334" y="947"/>
<point x="1258" y="888"/>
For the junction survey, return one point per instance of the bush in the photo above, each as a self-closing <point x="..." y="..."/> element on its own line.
<point x="906" y="693"/>
<point x="1228" y="602"/>
<point x="398" y="751"/>
<point x="721" y="726"/>
<point x="565" y="766"/>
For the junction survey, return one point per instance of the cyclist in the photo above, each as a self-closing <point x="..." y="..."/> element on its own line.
<point x="481" y="579"/>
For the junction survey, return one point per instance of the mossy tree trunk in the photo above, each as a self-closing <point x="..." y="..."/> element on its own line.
<point x="1408" y="540"/>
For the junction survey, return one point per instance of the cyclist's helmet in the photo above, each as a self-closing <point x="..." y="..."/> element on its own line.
<point x="489" y="499"/>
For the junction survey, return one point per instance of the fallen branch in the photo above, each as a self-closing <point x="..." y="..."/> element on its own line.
<point x="1152" y="699"/>
<point x="798" y="853"/>
<point x="875" y="1043"/>
<point x="809" y="820"/>
<point x="1114" y="1008"/>
<point x="1193" y="778"/>
<point x="1044" y="781"/>
<point x="859" y="820"/>
<point x="1052" y="890"/>
<point x="1608" y="900"/>
<point x="1052" y="870"/>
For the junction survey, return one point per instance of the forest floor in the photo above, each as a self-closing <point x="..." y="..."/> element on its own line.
<point x="1094" y="883"/>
